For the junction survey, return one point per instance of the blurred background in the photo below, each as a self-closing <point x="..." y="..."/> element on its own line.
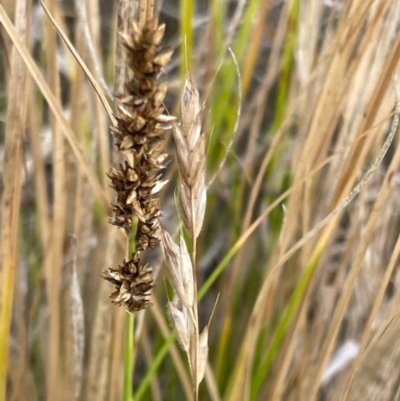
<point x="302" y="112"/>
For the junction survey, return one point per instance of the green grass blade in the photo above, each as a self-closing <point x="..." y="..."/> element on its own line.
<point x="223" y="120"/>
<point x="162" y="353"/>
<point x="187" y="7"/>
<point x="263" y="370"/>
<point x="287" y="63"/>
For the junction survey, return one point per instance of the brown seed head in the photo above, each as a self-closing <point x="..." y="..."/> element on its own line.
<point x="133" y="282"/>
<point x="140" y="136"/>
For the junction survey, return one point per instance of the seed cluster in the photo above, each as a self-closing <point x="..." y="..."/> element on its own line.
<point x="133" y="282"/>
<point x="140" y="136"/>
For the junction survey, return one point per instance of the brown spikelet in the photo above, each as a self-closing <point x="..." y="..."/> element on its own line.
<point x="140" y="136"/>
<point x="133" y="282"/>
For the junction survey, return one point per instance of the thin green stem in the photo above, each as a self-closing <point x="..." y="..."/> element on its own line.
<point x="161" y="354"/>
<point x="129" y="353"/>
<point x="287" y="63"/>
<point x="129" y="330"/>
<point x="187" y="8"/>
<point x="282" y="327"/>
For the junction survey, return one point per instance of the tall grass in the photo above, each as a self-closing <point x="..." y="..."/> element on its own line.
<point x="300" y="239"/>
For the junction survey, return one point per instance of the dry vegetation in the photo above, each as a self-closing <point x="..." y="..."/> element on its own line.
<point x="301" y="233"/>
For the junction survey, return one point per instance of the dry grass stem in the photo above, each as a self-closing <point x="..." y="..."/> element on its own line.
<point x="289" y="107"/>
<point x="375" y="380"/>
<point x="80" y="8"/>
<point x="81" y="63"/>
<point x="77" y="322"/>
<point x="11" y="196"/>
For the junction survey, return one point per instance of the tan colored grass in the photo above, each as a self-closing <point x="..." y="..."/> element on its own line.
<point x="190" y="144"/>
<point x="11" y="197"/>
<point x="290" y="219"/>
<point x="337" y="117"/>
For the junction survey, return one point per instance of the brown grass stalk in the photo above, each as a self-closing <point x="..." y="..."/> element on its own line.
<point x="300" y="236"/>
<point x="54" y="262"/>
<point x="10" y="203"/>
<point x="54" y="106"/>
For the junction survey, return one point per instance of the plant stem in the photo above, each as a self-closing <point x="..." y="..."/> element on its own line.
<point x="5" y="324"/>
<point x="195" y="338"/>
<point x="129" y="355"/>
<point x="187" y="8"/>
<point x="129" y="331"/>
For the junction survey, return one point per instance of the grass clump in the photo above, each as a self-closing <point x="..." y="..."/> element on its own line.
<point x="267" y="174"/>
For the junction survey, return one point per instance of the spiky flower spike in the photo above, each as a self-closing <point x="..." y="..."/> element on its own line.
<point x="140" y="136"/>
